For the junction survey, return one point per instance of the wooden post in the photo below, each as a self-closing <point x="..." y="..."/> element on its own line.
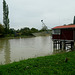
<point x="64" y="45"/>
<point x="60" y="45"/>
<point x="74" y="45"/>
<point x="54" y="44"/>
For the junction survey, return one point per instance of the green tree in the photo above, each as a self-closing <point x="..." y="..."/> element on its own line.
<point x="34" y="30"/>
<point x="1" y="29"/>
<point x="26" y="31"/>
<point x="5" y="16"/>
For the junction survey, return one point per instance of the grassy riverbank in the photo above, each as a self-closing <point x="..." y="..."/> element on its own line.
<point x="47" y="65"/>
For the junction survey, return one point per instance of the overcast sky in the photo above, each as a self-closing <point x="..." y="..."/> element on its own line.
<point x="29" y="13"/>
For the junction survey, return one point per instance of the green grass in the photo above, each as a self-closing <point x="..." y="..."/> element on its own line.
<point x="47" y="65"/>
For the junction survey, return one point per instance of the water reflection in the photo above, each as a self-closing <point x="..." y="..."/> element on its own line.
<point x="30" y="47"/>
<point x="1" y="45"/>
<point x="23" y="48"/>
<point x="4" y="51"/>
<point x="7" y="52"/>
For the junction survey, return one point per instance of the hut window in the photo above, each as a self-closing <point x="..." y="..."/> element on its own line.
<point x="56" y="31"/>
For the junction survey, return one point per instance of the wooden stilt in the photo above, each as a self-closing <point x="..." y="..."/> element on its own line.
<point x="60" y="45"/>
<point x="74" y="46"/>
<point x="64" y="45"/>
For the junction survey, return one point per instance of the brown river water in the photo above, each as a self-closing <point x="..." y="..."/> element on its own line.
<point x="23" y="48"/>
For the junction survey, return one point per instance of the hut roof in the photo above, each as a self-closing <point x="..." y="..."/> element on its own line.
<point x="64" y="26"/>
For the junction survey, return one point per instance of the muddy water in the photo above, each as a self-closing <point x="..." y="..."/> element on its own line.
<point x="23" y="48"/>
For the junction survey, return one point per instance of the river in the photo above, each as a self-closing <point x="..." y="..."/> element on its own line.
<point x="23" y="48"/>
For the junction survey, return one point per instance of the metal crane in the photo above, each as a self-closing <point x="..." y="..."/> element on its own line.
<point x="44" y="27"/>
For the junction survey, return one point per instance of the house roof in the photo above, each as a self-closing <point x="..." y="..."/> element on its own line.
<point x="64" y="26"/>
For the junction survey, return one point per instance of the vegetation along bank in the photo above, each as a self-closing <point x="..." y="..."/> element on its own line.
<point x="59" y="64"/>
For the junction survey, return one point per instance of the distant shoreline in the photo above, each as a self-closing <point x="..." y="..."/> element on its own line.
<point x="16" y="37"/>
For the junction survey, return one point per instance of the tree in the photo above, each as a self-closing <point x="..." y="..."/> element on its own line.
<point x="34" y="30"/>
<point x="5" y="16"/>
<point x="74" y="20"/>
<point x="1" y="29"/>
<point x="26" y="31"/>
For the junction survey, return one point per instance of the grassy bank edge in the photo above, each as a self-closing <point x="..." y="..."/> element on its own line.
<point x="46" y="65"/>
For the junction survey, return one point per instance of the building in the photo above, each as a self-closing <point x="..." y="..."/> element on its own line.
<point x="66" y="32"/>
<point x="63" y="35"/>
